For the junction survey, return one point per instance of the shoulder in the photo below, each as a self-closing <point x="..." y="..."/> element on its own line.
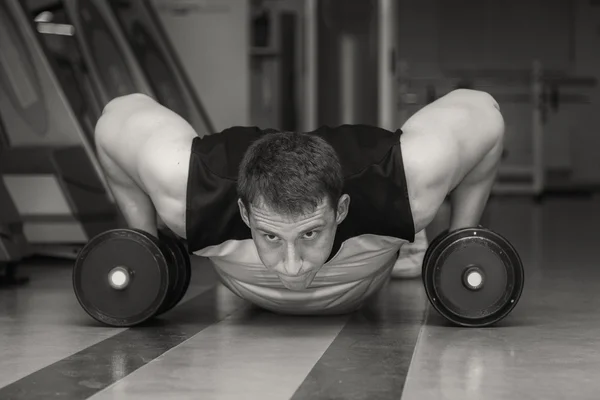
<point x="460" y="107"/>
<point x="152" y="141"/>
<point x="136" y="119"/>
<point x="471" y="97"/>
<point x="138" y="114"/>
<point x="130" y="107"/>
<point x="458" y="119"/>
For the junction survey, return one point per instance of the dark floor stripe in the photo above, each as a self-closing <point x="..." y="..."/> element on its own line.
<point x="91" y="370"/>
<point x="370" y="357"/>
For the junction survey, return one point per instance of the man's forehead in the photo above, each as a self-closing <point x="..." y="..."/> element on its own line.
<point x="260" y="211"/>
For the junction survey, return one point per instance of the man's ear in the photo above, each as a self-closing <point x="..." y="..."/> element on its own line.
<point x="244" y="212"/>
<point x="342" y="208"/>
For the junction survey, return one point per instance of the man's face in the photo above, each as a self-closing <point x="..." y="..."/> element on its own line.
<point x="295" y="248"/>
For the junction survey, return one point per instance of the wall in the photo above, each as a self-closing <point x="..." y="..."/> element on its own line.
<point x="434" y="36"/>
<point x="583" y="122"/>
<point x="347" y="63"/>
<point x="212" y="39"/>
<point x="277" y="64"/>
<point x="438" y="36"/>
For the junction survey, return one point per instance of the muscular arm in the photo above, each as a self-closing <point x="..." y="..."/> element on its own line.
<point x="144" y="150"/>
<point x="453" y="147"/>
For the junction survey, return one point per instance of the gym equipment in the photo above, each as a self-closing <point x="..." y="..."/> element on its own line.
<point x="123" y="49"/>
<point x="275" y="58"/>
<point x="127" y="52"/>
<point x="49" y="167"/>
<point x="63" y="53"/>
<point x="310" y="83"/>
<point x="473" y="276"/>
<point x="112" y="65"/>
<point x="13" y="245"/>
<point x="543" y="93"/>
<point x="193" y="28"/>
<point x="149" y="43"/>
<point x="345" y="62"/>
<point x="33" y="106"/>
<point x="432" y="245"/>
<point x="122" y="277"/>
<point x="58" y="196"/>
<point x="181" y="270"/>
<point x="348" y="65"/>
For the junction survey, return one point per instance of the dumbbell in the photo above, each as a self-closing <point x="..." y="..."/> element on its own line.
<point x="473" y="277"/>
<point x="124" y="277"/>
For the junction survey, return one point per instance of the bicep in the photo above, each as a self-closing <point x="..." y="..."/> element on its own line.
<point x="163" y="171"/>
<point x="442" y="141"/>
<point x="465" y="122"/>
<point x="163" y="167"/>
<point x="163" y="157"/>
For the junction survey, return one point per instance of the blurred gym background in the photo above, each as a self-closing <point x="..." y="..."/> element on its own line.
<point x="286" y="64"/>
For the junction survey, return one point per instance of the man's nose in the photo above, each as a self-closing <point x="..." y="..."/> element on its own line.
<point x="292" y="262"/>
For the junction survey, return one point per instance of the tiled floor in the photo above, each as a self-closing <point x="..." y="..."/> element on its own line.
<point x="216" y="346"/>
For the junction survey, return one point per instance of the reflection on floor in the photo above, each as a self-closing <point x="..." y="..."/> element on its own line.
<point x="216" y="346"/>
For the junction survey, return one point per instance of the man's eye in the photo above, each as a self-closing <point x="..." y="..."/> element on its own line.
<point x="311" y="234"/>
<point x="271" y="238"/>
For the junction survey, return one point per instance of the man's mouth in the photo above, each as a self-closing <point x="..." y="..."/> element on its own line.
<point x="299" y="282"/>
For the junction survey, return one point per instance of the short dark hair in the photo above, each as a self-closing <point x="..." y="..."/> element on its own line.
<point x="290" y="172"/>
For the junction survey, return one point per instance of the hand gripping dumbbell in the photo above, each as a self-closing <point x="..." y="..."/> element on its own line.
<point x="473" y="276"/>
<point x="124" y="277"/>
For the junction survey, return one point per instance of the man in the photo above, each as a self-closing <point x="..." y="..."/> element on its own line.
<point x="302" y="222"/>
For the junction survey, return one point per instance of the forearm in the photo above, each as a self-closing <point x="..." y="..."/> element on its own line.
<point x="136" y="208"/>
<point x="467" y="204"/>
<point x="469" y="199"/>
<point x="133" y="203"/>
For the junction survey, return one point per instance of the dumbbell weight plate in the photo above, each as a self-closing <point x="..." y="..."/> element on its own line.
<point x="431" y="248"/>
<point x="473" y="253"/>
<point x="121" y="256"/>
<point x="169" y="252"/>
<point x="182" y="270"/>
<point x="185" y="270"/>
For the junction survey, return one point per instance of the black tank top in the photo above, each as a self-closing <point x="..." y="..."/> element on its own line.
<point x="374" y="178"/>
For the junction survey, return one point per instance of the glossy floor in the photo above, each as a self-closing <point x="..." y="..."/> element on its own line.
<point x="216" y="346"/>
